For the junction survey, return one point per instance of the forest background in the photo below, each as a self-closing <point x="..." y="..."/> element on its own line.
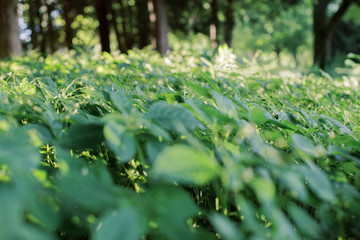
<point x="296" y="33"/>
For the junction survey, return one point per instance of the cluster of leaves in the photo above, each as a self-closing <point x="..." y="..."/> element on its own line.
<point x="139" y="147"/>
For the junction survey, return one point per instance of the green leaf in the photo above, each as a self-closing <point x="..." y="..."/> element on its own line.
<point x="257" y="116"/>
<point x="227" y="229"/>
<point x="19" y="149"/>
<point x="319" y="183"/>
<point x="121" y="101"/>
<point x="121" y="224"/>
<point x="186" y="165"/>
<point x="342" y="128"/>
<point x="304" y="222"/>
<point x="173" y="117"/>
<point x="83" y="136"/>
<point x="295" y="185"/>
<point x="224" y="104"/>
<point x="88" y="187"/>
<point x="304" y="145"/>
<point x="264" y="189"/>
<point x="202" y="90"/>
<point x="170" y="208"/>
<point x="120" y="140"/>
<point x="153" y="148"/>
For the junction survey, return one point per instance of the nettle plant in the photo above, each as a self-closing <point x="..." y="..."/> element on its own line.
<point x="185" y="147"/>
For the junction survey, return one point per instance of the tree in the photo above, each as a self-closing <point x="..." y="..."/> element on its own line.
<point x="214" y="26"/>
<point x="161" y="27"/>
<point x="69" y="18"/>
<point x="143" y="23"/>
<point x="324" y="27"/>
<point x="102" y="9"/>
<point x="10" y="43"/>
<point x="229" y="23"/>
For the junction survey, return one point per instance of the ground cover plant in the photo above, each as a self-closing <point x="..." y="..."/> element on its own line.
<point x="183" y="147"/>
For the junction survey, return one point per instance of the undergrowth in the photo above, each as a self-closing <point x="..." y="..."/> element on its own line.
<point x="182" y="147"/>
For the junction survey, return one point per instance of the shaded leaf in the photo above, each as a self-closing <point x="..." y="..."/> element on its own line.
<point x="83" y="136"/>
<point x="120" y="140"/>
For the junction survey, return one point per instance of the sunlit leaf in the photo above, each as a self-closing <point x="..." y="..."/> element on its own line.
<point x="184" y="164"/>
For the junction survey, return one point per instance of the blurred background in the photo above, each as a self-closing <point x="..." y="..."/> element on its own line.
<point x="291" y="33"/>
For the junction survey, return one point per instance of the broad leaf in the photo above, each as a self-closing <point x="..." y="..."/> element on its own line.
<point x="120" y="224"/>
<point x="173" y="117"/>
<point x="120" y="140"/>
<point x="184" y="164"/>
<point x="83" y="136"/>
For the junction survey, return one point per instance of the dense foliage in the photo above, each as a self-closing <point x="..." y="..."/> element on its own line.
<point x="185" y="147"/>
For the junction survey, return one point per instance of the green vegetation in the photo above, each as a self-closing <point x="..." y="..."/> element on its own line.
<point x="183" y="147"/>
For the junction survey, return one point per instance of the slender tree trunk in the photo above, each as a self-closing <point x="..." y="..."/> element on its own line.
<point x="230" y="22"/>
<point x="143" y="23"/>
<point x="32" y="24"/>
<point x="10" y="43"/>
<point x="42" y="33"/>
<point x="277" y="51"/>
<point x="319" y="30"/>
<point x="50" y="27"/>
<point x="324" y="28"/>
<point x="162" y="44"/>
<point x="214" y="26"/>
<point x="68" y="21"/>
<point x="152" y="18"/>
<point x="294" y="54"/>
<point x="125" y="25"/>
<point x="130" y="24"/>
<point x="102" y="9"/>
<point x="121" y="44"/>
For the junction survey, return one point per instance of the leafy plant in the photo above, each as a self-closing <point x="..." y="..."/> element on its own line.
<point x="141" y="147"/>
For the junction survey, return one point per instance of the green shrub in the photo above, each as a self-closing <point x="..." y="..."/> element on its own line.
<point x="140" y="147"/>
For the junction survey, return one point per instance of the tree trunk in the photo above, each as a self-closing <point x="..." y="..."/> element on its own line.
<point x="102" y="9"/>
<point x="152" y="18"/>
<point x="125" y="25"/>
<point x="294" y="54"/>
<point x="121" y="44"/>
<point x="50" y="27"/>
<point x="161" y="28"/>
<point x="278" y="51"/>
<point x="143" y="24"/>
<point x="324" y="28"/>
<point x="214" y="26"/>
<point x="32" y="24"/>
<point x="230" y="22"/>
<point x="10" y="43"/>
<point x="41" y="29"/>
<point x="68" y="21"/>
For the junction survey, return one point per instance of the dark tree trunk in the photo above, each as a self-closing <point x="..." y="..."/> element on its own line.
<point x="130" y="24"/>
<point x="324" y="28"/>
<point x="10" y="43"/>
<point x="161" y="28"/>
<point x="143" y="23"/>
<point x="294" y="54"/>
<point x="68" y="21"/>
<point x="50" y="27"/>
<point x="230" y="22"/>
<point x="152" y="18"/>
<point x="32" y="24"/>
<point x="102" y="9"/>
<point x="278" y="51"/>
<point x="120" y="42"/>
<point x="125" y="25"/>
<point x="214" y="26"/>
<point x="39" y="16"/>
